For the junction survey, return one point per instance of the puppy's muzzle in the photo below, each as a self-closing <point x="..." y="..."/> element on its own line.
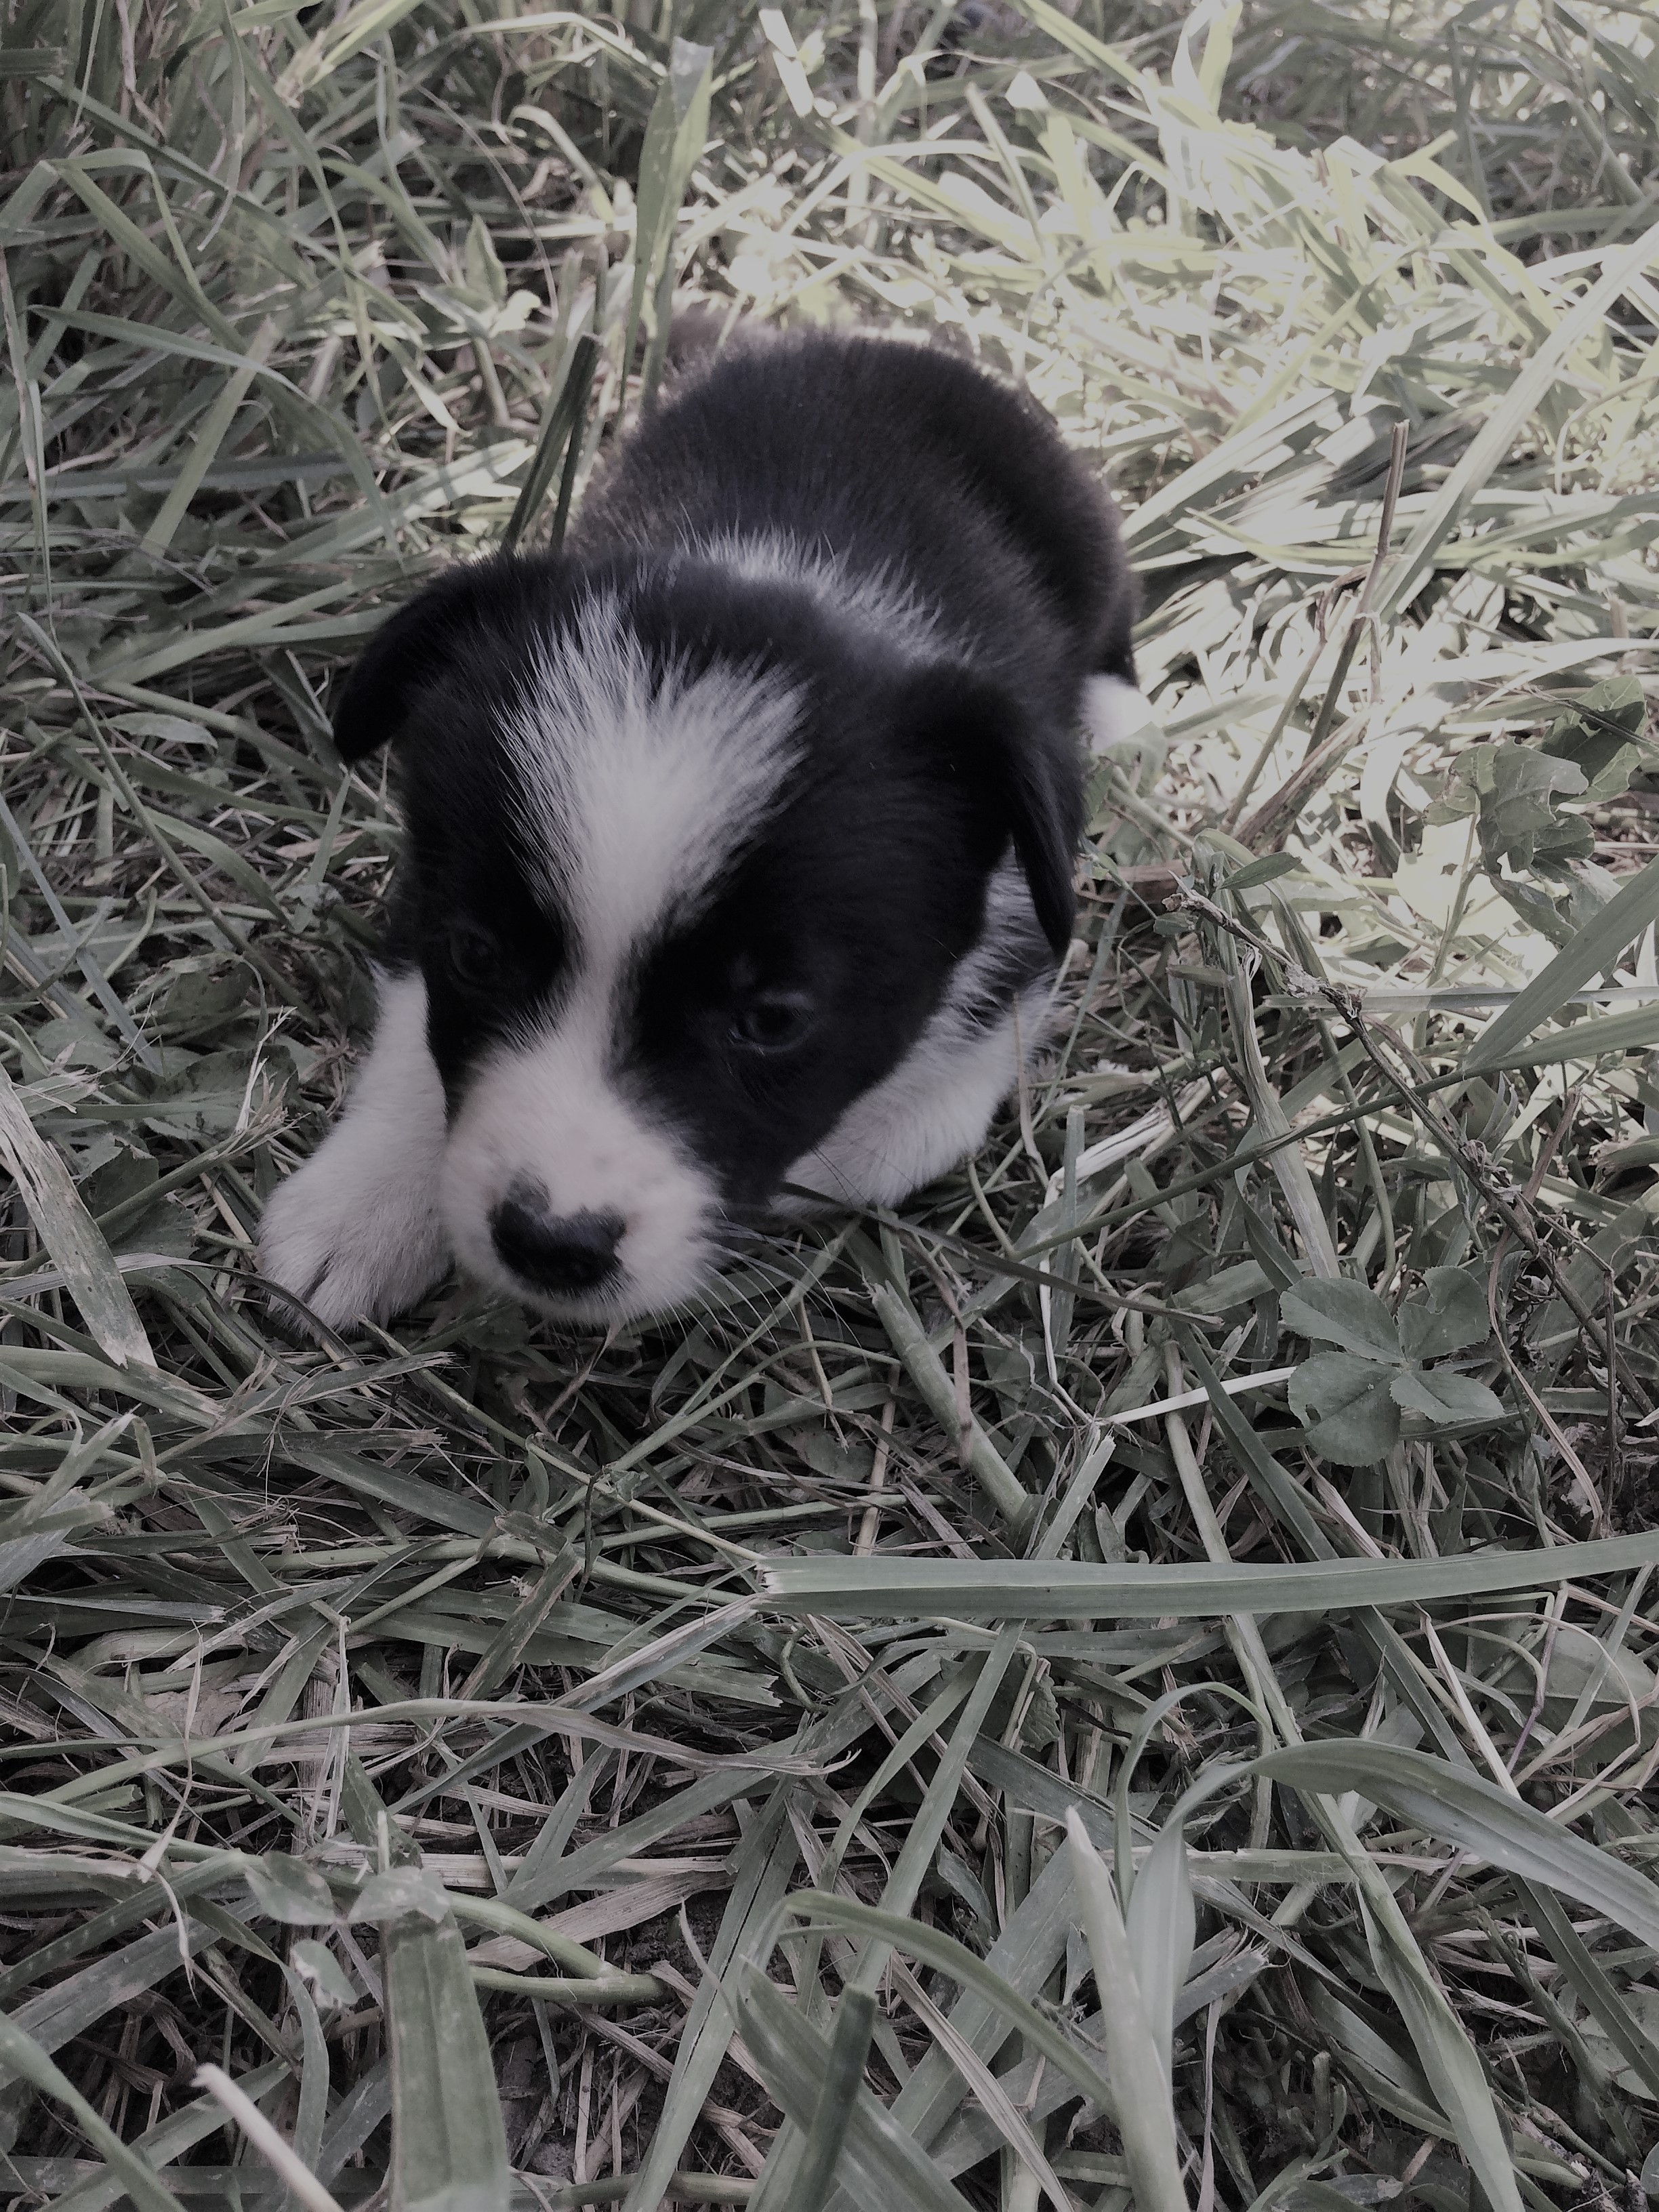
<point x="563" y="1254"/>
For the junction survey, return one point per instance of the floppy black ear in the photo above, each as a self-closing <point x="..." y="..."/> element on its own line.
<point x="1017" y="779"/>
<point x="414" y="649"/>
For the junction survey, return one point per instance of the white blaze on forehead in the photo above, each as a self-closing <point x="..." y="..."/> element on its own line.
<point x="637" y="790"/>
<point x="639" y="787"/>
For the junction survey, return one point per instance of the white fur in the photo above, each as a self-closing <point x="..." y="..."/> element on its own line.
<point x="1113" y="711"/>
<point x="356" y="1232"/>
<point x="937" y="1104"/>
<point x="875" y="601"/>
<point x="640" y="790"/>
<point x="639" y="793"/>
<point x="547" y="1112"/>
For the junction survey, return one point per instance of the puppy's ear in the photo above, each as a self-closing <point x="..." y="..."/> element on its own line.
<point x="1016" y="779"/>
<point x="414" y="649"/>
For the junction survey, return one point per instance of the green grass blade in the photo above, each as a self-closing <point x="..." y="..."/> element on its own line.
<point x="1141" y="2084"/>
<point x="1066" y="1590"/>
<point x="673" y="141"/>
<point x="1507" y="421"/>
<point x="24" y="2060"/>
<point x="885" y="2165"/>
<point x="70" y="1235"/>
<point x="1592" y="952"/>
<point x="1476" y="1815"/>
<point x="448" y="2146"/>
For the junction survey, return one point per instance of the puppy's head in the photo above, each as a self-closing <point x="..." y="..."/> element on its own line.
<point x="685" y="877"/>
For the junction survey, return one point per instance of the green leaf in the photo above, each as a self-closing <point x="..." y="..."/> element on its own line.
<point x="318" y="1966"/>
<point x="1588" y="1040"/>
<point x="482" y="264"/>
<point x="839" y="2081"/>
<point x="1343" y="1313"/>
<point x="1448" y="1315"/>
<point x="1438" y="1395"/>
<point x="1603" y="734"/>
<point x="1511" y="789"/>
<point x="1347" y="1407"/>
<point x="1267" y="870"/>
<point x="1141" y="2080"/>
<point x="400" y="1893"/>
<point x="1644" y="2005"/>
<point x="288" y="1890"/>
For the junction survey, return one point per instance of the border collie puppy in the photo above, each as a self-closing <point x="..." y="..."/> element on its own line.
<point x="739" y="837"/>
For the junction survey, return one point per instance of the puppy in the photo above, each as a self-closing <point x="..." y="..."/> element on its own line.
<point x="739" y="837"/>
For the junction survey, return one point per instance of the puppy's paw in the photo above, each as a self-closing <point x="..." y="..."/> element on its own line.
<point x="354" y="1235"/>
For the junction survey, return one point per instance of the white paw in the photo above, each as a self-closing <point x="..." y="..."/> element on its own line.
<point x="354" y="1234"/>
<point x="1113" y="712"/>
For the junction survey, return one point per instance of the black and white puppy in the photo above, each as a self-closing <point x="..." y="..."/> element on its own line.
<point x="740" y="835"/>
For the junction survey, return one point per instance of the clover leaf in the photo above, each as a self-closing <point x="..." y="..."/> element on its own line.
<point x="1448" y="1315"/>
<point x="1344" y="1314"/>
<point x="1442" y="1396"/>
<point x="1354" y="1401"/>
<point x="1344" y="1404"/>
<point x="1511" y="790"/>
<point x="1604" y="734"/>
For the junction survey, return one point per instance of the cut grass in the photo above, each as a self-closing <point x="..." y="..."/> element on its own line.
<point x="558" y="1771"/>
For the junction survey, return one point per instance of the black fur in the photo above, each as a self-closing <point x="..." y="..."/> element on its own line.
<point x="905" y="458"/>
<point x="868" y="883"/>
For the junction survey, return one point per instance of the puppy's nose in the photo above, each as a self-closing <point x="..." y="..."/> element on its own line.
<point x="566" y="1252"/>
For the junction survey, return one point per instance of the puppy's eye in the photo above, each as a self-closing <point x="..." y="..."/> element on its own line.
<point x="474" y="957"/>
<point x="773" y="1021"/>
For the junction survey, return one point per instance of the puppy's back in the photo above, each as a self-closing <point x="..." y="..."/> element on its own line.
<point x="897" y="461"/>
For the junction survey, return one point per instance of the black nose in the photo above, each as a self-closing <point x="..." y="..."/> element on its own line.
<point x="557" y="1252"/>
